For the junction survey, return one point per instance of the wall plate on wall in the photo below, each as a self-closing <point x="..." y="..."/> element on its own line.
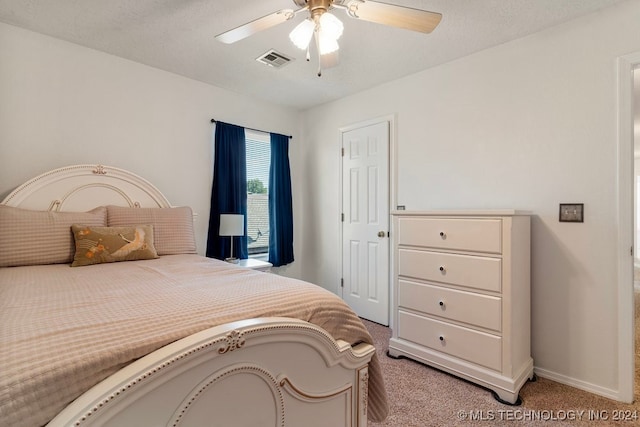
<point x="571" y="212"/>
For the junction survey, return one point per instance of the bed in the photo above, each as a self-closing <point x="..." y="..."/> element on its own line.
<point x="169" y="338"/>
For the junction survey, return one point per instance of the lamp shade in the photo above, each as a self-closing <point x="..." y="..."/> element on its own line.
<point x="331" y="26"/>
<point x="231" y="225"/>
<point x="326" y="43"/>
<point x="301" y="34"/>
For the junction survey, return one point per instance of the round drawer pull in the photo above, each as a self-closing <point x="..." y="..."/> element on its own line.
<point x="443" y="234"/>
<point x="442" y="269"/>
<point x="441" y="338"/>
<point x="441" y="303"/>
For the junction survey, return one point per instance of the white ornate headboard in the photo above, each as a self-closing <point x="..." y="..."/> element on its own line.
<point x="83" y="187"/>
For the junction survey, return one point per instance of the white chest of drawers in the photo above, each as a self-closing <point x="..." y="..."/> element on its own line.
<point x="461" y="295"/>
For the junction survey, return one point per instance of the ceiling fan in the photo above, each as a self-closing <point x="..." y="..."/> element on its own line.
<point x="326" y="28"/>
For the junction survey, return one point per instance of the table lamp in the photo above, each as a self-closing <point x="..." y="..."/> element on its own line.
<point x="231" y="225"/>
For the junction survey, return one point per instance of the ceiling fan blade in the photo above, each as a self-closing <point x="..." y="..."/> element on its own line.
<point x="256" y="26"/>
<point x="393" y="15"/>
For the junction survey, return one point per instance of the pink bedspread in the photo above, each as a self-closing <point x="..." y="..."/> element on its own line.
<point x="63" y="329"/>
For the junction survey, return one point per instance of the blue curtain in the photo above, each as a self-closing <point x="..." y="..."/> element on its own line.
<point x="229" y="191"/>
<point x="280" y="204"/>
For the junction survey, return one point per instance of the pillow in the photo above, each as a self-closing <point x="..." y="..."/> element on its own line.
<point x="96" y="245"/>
<point x="29" y="237"/>
<point x="172" y="227"/>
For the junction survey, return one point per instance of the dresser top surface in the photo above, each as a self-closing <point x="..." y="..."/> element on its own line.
<point x="464" y="212"/>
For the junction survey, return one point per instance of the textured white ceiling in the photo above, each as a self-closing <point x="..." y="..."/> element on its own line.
<point x="178" y="36"/>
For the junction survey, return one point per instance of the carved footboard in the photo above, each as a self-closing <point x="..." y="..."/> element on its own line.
<point x="256" y="372"/>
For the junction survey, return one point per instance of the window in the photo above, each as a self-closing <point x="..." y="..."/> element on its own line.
<point x="258" y="160"/>
<point x="270" y="227"/>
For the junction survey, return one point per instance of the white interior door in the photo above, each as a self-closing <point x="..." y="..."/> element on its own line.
<point x="365" y="226"/>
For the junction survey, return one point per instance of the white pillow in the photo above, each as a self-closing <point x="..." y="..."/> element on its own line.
<point x="29" y="237"/>
<point x="172" y="227"/>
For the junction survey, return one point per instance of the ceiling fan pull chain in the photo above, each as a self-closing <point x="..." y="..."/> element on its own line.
<point x="316" y="36"/>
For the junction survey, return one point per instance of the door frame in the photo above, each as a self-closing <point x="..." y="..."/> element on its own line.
<point x="626" y="230"/>
<point x="393" y="183"/>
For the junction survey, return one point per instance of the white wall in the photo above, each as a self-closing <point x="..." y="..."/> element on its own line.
<point x="526" y="125"/>
<point x="63" y="104"/>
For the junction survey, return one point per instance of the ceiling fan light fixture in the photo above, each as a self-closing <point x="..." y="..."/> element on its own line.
<point x="326" y="28"/>
<point x="326" y="43"/>
<point x="302" y="33"/>
<point x="331" y="26"/>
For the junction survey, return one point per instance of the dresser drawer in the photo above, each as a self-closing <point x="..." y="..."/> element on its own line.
<point x="473" y="346"/>
<point x="462" y="234"/>
<point x="462" y="270"/>
<point x="467" y="307"/>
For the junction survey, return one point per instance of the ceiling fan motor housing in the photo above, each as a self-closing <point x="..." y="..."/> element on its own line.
<point x="316" y="7"/>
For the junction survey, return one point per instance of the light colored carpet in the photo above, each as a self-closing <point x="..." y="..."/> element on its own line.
<point x="420" y="396"/>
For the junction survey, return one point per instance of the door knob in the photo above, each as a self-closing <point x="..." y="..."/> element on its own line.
<point x="381" y="233"/>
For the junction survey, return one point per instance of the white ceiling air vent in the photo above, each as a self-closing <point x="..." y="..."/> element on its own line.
<point x="274" y="59"/>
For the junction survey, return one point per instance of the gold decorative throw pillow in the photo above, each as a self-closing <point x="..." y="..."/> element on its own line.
<point x="96" y="245"/>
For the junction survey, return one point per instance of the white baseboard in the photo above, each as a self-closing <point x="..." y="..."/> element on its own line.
<point x="582" y="385"/>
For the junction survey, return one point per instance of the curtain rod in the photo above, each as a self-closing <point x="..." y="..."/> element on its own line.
<point x="257" y="130"/>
